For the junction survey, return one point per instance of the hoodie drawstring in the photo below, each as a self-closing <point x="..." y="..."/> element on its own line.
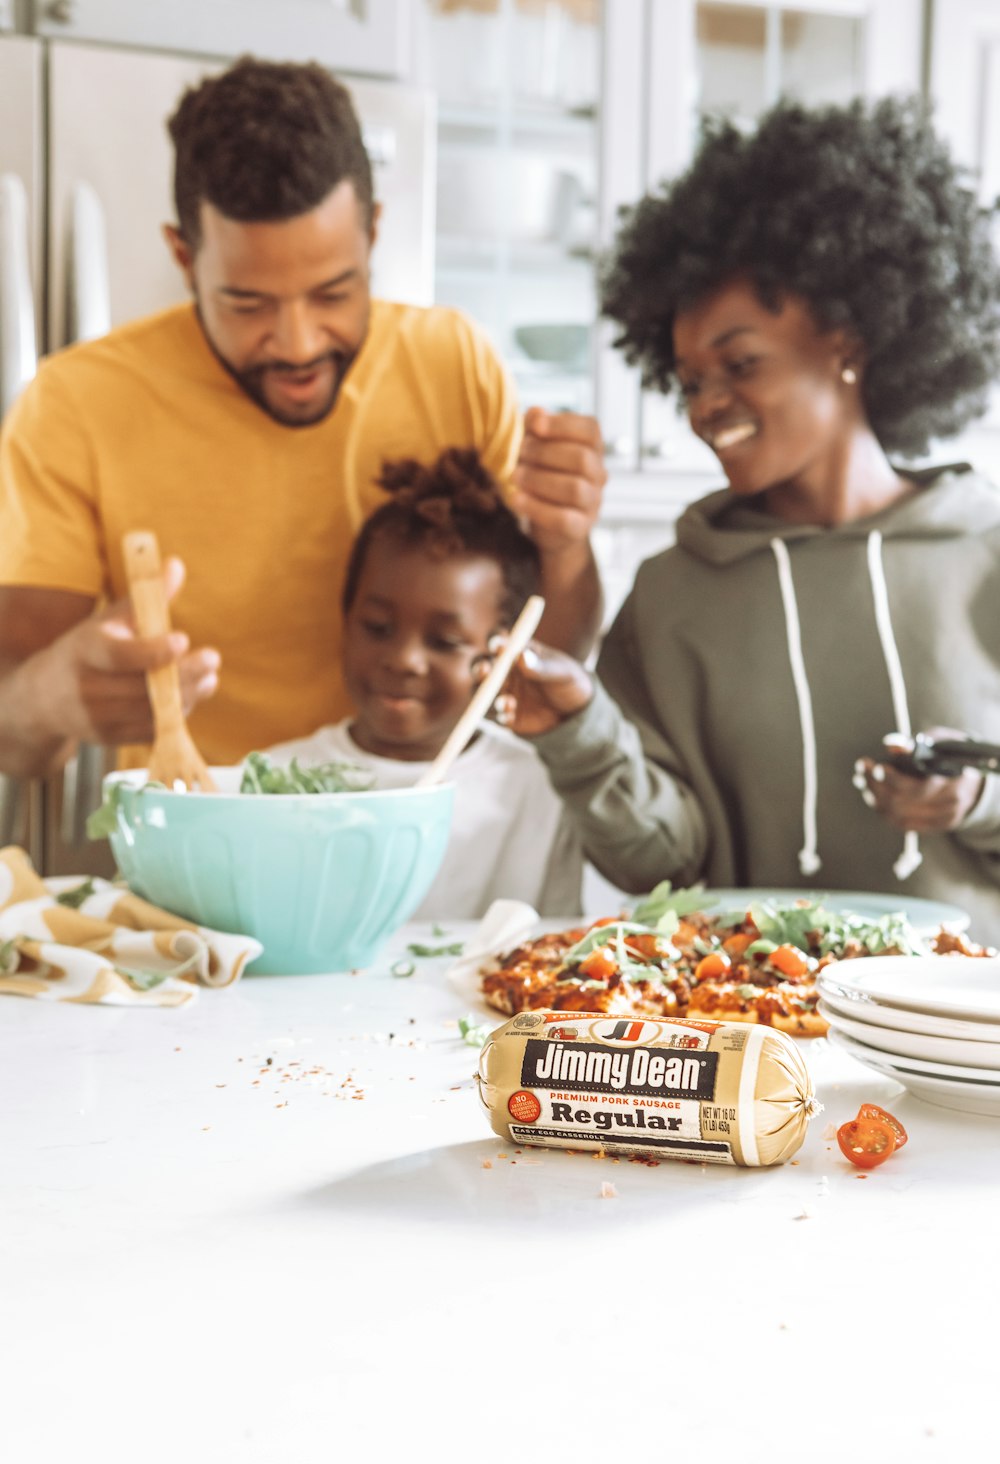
<point x="809" y="860"/>
<point x="911" y="857"/>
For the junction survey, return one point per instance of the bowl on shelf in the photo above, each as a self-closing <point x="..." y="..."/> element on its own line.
<point x="566" y="345"/>
<point x="321" y="879"/>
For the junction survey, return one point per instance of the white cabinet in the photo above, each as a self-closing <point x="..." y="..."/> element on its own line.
<point x="369" y="36"/>
<point x="518" y="90"/>
<point x="965" y="87"/>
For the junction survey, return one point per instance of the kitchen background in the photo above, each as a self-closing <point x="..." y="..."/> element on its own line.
<point x="506" y="136"/>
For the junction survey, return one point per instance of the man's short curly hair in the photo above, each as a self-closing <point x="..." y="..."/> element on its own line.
<point x="860" y="211"/>
<point x="265" y="141"/>
<point x="449" y="508"/>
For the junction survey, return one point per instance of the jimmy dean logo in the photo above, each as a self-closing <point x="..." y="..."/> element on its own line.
<point x="588" y="1067"/>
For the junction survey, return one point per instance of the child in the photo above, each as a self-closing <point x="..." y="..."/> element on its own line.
<point x="435" y="573"/>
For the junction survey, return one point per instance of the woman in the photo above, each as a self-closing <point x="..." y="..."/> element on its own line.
<point x="822" y="293"/>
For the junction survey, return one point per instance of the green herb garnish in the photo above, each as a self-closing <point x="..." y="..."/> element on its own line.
<point x="455" y="949"/>
<point x="259" y="776"/>
<point x="75" y="897"/>
<point x="9" y="959"/>
<point x="663" y="901"/>
<point x="402" y="968"/>
<point x="473" y="1033"/>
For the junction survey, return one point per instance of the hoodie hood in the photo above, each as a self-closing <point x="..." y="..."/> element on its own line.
<point x="950" y="502"/>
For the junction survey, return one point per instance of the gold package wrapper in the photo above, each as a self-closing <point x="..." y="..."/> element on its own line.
<point x="712" y="1092"/>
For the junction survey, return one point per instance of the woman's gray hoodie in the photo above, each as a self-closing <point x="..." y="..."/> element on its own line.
<point x="754" y="661"/>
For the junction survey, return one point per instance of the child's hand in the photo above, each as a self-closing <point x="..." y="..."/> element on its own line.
<point x="545" y="688"/>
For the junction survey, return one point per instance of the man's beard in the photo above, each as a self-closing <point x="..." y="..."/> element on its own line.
<point x="252" y="379"/>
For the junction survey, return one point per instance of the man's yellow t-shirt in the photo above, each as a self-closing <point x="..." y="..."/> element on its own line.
<point x="144" y="429"/>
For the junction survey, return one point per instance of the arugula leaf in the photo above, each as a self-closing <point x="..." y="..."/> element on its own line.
<point x="145" y="979"/>
<point x="260" y="776"/>
<point x="9" y="959"/>
<point x="473" y="1033"/>
<point x="664" y="901"/>
<point x="455" y="949"/>
<point x="104" y="820"/>
<point x="75" y="897"/>
<point x="805" y="925"/>
<point x="604" y="935"/>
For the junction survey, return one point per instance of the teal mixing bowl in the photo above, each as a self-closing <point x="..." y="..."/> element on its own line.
<point x="321" y="879"/>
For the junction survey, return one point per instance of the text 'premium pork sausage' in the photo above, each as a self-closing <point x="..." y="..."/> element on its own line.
<point x="715" y="1092"/>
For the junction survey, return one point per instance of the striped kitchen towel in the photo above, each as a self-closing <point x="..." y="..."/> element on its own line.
<point x="91" y="941"/>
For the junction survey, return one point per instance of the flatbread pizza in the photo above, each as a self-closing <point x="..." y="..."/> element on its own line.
<point x="673" y="958"/>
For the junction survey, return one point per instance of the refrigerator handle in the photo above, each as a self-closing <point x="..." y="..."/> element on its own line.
<point x="89" y="304"/>
<point x="18" y="362"/>
<point x="18" y="351"/>
<point x="88" y="314"/>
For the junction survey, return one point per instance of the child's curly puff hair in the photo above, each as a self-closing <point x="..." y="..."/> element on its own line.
<point x="451" y="508"/>
<point x="860" y="211"/>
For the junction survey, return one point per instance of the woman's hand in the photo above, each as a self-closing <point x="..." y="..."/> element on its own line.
<point x="919" y="805"/>
<point x="544" y="688"/>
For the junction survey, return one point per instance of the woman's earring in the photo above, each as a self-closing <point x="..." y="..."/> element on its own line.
<point x="849" y="376"/>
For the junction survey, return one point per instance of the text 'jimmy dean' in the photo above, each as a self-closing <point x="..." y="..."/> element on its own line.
<point x="589" y="1067"/>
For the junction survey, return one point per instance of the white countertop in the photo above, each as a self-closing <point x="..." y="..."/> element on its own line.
<point x="202" y="1261"/>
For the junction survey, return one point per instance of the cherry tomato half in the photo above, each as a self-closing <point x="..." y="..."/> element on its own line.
<point x="737" y="944"/>
<point x="866" y="1142"/>
<point x="600" y="965"/>
<point x="872" y="1110"/>
<point x="712" y="966"/>
<point x="789" y="961"/>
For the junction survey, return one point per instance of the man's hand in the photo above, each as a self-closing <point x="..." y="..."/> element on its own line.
<point x="559" y="478"/>
<point x="90" y="683"/>
<point x="558" y="484"/>
<point x="914" y="804"/>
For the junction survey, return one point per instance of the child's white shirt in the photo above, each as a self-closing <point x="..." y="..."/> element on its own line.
<point x="510" y="836"/>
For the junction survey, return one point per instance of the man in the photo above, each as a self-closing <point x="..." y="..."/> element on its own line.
<point x="247" y="430"/>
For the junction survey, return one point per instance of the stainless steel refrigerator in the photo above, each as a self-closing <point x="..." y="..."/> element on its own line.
<point x="85" y="184"/>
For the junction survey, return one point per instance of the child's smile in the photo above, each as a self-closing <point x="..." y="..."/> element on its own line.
<point x="414" y="629"/>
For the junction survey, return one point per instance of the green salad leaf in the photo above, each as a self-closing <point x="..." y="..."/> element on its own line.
<point x="455" y="949"/>
<point x="75" y="897"/>
<point x="9" y="958"/>
<point x="804" y="925"/>
<point x="473" y="1033"/>
<point x="663" y="906"/>
<point x="104" y="820"/>
<point x="260" y="776"/>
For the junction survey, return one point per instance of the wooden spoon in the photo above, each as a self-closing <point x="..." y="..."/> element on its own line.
<point x="523" y="629"/>
<point x="174" y="758"/>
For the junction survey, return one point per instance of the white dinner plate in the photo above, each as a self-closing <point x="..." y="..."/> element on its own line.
<point x="984" y="1056"/>
<point x="967" y="987"/>
<point x="926" y="916"/>
<point x="862" y="1008"/>
<point x="930" y="1081"/>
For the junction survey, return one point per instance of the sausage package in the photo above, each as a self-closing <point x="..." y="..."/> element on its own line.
<point x="713" y="1092"/>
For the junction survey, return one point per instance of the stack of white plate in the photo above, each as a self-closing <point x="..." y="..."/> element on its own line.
<point x="930" y="1022"/>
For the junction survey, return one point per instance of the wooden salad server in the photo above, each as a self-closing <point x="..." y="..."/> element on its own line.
<point x="174" y="757"/>
<point x="523" y="629"/>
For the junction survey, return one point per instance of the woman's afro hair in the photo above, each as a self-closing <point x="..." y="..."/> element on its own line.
<point x="860" y="211"/>
<point x="447" y="509"/>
